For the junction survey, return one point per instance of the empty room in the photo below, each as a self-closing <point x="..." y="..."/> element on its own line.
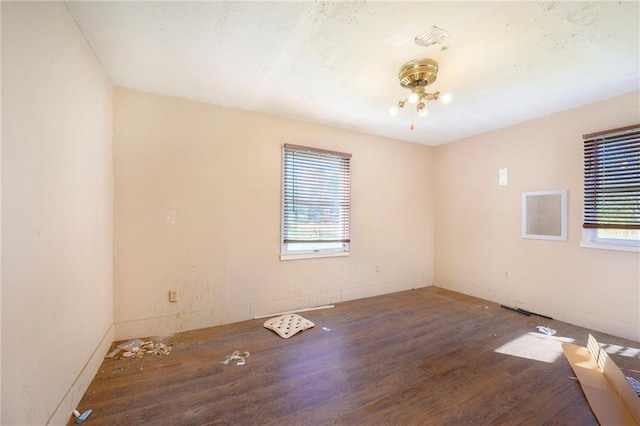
<point x="306" y="213"/>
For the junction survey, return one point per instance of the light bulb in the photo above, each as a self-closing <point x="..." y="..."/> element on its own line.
<point x="413" y="98"/>
<point x="446" y="98"/>
<point x="423" y="112"/>
<point x="393" y="111"/>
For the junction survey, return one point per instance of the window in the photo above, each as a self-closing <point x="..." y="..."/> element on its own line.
<point x="316" y="202"/>
<point x="612" y="189"/>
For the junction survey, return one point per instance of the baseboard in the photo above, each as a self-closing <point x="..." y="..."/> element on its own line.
<point x="569" y="314"/>
<point x="363" y="291"/>
<point x="217" y="315"/>
<point x="176" y="323"/>
<point x="79" y="386"/>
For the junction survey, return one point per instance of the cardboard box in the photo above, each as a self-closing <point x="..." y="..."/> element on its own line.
<point x="612" y="399"/>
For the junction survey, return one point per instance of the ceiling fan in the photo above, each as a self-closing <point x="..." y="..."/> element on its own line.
<point x="417" y="74"/>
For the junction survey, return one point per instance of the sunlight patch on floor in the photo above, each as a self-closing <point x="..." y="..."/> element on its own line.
<point x="535" y="346"/>
<point x="621" y="350"/>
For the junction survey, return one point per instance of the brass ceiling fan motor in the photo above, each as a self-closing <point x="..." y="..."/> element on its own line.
<point x="418" y="73"/>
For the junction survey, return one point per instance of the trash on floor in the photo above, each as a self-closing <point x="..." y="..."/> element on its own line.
<point x="611" y="398"/>
<point x="113" y="353"/>
<point x="520" y="311"/>
<point x="326" y="328"/>
<point x="80" y="418"/>
<point x="240" y="357"/>
<point x="138" y="348"/>
<point x="295" y="312"/>
<point x="525" y="312"/>
<point x="634" y="384"/>
<point x="131" y="346"/>
<point x="546" y="330"/>
<point x="288" y="325"/>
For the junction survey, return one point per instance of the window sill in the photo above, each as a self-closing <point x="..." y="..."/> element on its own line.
<point x="602" y="246"/>
<point x="312" y="255"/>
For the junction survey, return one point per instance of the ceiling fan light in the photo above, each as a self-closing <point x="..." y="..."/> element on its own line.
<point x="446" y="98"/>
<point x="416" y="75"/>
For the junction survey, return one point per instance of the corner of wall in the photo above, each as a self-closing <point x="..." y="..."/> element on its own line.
<point x="79" y="386"/>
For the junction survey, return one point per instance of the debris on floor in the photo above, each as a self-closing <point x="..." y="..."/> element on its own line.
<point x="634" y="384"/>
<point x="525" y="312"/>
<point x="131" y="345"/>
<point x="138" y="348"/>
<point x="546" y="330"/>
<point x="520" y="311"/>
<point x="240" y="357"/>
<point x="80" y="418"/>
<point x="611" y="398"/>
<point x="288" y="325"/>
<point x="326" y="328"/>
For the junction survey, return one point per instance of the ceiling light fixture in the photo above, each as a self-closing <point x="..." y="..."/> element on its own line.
<point x="435" y="35"/>
<point x="416" y="75"/>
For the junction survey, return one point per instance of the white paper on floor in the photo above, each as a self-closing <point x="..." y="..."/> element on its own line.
<point x="288" y="325"/>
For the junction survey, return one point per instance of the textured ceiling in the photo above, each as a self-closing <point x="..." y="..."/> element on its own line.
<point x="337" y="62"/>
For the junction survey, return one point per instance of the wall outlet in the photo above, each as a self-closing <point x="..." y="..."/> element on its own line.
<point x="173" y="296"/>
<point x="505" y="275"/>
<point x="377" y="268"/>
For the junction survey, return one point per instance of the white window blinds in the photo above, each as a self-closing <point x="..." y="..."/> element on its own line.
<point x="316" y="195"/>
<point x="612" y="179"/>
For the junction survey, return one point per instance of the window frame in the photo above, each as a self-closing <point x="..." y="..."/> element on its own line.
<point x="590" y="239"/>
<point x="314" y="249"/>
<point x="591" y="225"/>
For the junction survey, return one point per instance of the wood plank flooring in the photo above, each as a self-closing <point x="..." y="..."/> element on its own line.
<point x="420" y="357"/>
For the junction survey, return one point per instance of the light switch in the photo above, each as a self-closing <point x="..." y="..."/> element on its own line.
<point x="502" y="177"/>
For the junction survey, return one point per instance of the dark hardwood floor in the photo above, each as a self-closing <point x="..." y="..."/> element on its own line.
<point x="419" y="357"/>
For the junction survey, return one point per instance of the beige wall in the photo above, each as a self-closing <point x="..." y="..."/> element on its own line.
<point x="477" y="238"/>
<point x="57" y="214"/>
<point x="223" y="169"/>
